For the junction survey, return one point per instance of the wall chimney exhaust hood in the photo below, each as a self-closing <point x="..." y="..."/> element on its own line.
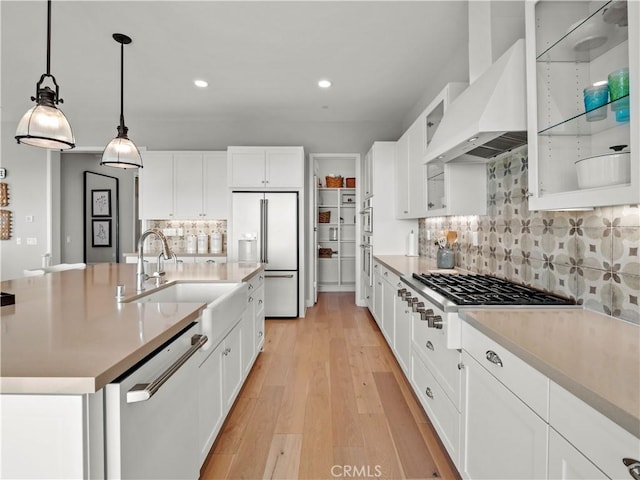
<point x="487" y="119"/>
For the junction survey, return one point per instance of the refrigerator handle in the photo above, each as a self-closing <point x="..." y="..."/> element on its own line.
<point x="265" y="231"/>
<point x="261" y="239"/>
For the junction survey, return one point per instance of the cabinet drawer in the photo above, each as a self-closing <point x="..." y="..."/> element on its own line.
<point x="255" y="282"/>
<point x="431" y="345"/>
<point x="525" y="381"/>
<point x="599" y="439"/>
<point x="441" y="411"/>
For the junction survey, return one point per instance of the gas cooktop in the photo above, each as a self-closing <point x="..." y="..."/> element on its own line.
<point x="465" y="290"/>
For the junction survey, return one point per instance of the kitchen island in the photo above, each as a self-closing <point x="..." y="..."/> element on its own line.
<point x="64" y="340"/>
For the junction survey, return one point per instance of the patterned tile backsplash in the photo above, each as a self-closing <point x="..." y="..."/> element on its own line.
<point x="591" y="256"/>
<point x="189" y="227"/>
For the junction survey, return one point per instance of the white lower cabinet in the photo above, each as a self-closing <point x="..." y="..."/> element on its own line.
<point x="232" y="372"/>
<point x="567" y="463"/>
<point x="210" y="407"/>
<point x="503" y="437"/>
<point x="440" y="410"/>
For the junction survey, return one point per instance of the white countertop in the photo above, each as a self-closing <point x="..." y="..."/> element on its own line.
<point x="67" y="334"/>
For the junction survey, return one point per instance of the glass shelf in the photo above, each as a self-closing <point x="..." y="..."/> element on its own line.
<point x="578" y="124"/>
<point x="568" y="47"/>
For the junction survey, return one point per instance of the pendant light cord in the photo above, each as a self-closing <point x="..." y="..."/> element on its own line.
<point x="49" y="38"/>
<point x="122" y="85"/>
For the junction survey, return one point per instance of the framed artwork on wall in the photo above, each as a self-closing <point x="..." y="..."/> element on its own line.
<point x="101" y="236"/>
<point x="100" y="203"/>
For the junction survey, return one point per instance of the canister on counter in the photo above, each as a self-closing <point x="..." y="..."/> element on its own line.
<point x="203" y="243"/>
<point x="216" y="242"/>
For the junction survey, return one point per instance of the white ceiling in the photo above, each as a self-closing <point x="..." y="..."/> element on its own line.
<point x="262" y="59"/>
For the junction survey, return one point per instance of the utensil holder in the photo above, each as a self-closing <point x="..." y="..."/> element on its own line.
<point x="445" y="258"/>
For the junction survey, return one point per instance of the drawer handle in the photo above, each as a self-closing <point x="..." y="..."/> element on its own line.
<point x="430" y="345"/>
<point x="494" y="358"/>
<point x="144" y="391"/>
<point x="250" y="299"/>
<point x="633" y="466"/>
<point x="428" y="392"/>
<point x="259" y="302"/>
<point x="260" y="334"/>
<point x="250" y="287"/>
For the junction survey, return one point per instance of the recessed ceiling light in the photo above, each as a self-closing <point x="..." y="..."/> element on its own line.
<point x="472" y="139"/>
<point x="200" y="83"/>
<point x="324" y="83"/>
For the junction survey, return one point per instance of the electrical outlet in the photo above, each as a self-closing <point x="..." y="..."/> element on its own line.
<point x="180" y="232"/>
<point x="169" y="232"/>
<point x="18" y="241"/>
<point x="28" y="219"/>
<point x="68" y="238"/>
<point x="32" y="241"/>
<point x="474" y="239"/>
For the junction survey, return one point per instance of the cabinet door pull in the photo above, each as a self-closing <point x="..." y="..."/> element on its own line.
<point x="430" y="345"/>
<point x="633" y="466"/>
<point x="428" y="392"/>
<point x="494" y="358"/>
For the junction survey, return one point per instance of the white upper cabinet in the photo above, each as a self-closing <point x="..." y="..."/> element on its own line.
<point x="571" y="46"/>
<point x="410" y="172"/>
<point x="450" y="188"/>
<point x="156" y="186"/>
<point x="265" y="167"/>
<point x="183" y="185"/>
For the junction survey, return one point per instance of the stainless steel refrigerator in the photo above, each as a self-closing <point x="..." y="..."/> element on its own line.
<point x="272" y="219"/>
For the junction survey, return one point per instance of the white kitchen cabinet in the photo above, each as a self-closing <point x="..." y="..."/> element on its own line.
<point x="569" y="47"/>
<point x="367" y="175"/>
<point x="210" y="405"/>
<point x="183" y="185"/>
<point x="456" y="189"/>
<point x="441" y="412"/>
<point x="265" y="167"/>
<point x="200" y="185"/>
<point x="567" y="463"/>
<point x="390" y="234"/>
<point x="389" y="307"/>
<point x="402" y="176"/>
<point x="156" y="186"/>
<point x="602" y="441"/>
<point x="502" y="437"/>
<point x="232" y="371"/>
<point x="412" y="186"/>
<point x="402" y="337"/>
<point x="253" y="333"/>
<point x="378" y="297"/>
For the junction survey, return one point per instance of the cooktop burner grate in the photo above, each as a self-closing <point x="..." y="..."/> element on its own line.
<point x="487" y="290"/>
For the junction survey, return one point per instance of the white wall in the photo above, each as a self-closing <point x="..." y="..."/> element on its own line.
<point x="27" y="180"/>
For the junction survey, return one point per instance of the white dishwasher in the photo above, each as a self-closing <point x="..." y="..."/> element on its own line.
<point x="151" y="414"/>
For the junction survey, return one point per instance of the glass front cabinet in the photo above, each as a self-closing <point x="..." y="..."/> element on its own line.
<point x="583" y="103"/>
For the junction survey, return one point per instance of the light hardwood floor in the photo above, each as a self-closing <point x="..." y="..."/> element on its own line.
<point x="326" y="399"/>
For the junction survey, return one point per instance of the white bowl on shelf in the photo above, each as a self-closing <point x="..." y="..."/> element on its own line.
<point x="604" y="170"/>
<point x="592" y="34"/>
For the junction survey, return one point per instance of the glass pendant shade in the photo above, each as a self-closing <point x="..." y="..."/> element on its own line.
<point x="46" y="127"/>
<point x="121" y="152"/>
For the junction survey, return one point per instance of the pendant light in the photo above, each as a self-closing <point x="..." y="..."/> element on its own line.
<point x="45" y="125"/>
<point x="121" y="152"/>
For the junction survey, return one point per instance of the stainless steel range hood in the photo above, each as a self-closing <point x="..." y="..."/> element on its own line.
<point x="489" y="117"/>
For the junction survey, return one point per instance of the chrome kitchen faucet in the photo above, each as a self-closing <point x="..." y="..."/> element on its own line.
<point x="166" y="253"/>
